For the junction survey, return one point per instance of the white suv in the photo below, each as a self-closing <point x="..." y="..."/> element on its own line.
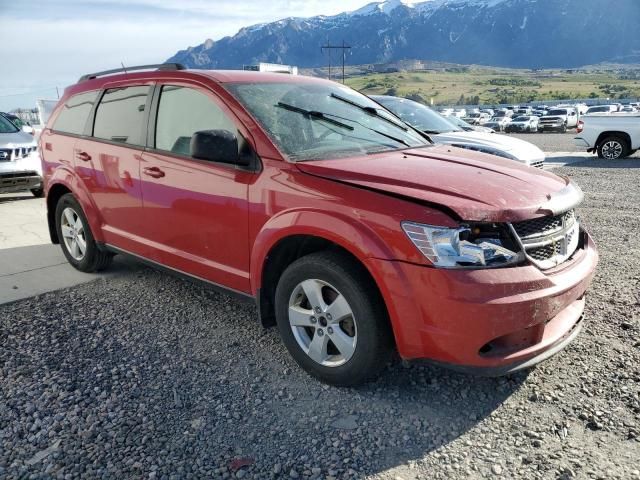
<point x="20" y="166"/>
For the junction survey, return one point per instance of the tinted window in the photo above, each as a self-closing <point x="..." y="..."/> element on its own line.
<point x="74" y="113"/>
<point x="120" y="115"/>
<point x="183" y="112"/>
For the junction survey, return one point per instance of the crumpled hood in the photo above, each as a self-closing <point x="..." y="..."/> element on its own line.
<point x="475" y="186"/>
<point x="522" y="150"/>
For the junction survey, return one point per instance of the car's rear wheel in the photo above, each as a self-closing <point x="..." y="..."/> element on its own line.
<point x="613" y="148"/>
<point x="37" y="192"/>
<point x="332" y="319"/>
<point x="76" y="239"/>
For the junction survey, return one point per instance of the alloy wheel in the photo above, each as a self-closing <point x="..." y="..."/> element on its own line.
<point x="612" y="150"/>
<point x="322" y="323"/>
<point x="73" y="234"/>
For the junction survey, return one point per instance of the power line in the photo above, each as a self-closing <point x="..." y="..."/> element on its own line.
<point x="344" y="48"/>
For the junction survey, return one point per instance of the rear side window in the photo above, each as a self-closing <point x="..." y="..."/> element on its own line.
<point x="120" y="115"/>
<point x="75" y="112"/>
<point x="181" y="113"/>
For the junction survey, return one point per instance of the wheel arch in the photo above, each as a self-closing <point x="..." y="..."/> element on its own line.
<point x="64" y="181"/>
<point x="622" y="135"/>
<point x="276" y="248"/>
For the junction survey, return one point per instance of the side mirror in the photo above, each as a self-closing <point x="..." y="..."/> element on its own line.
<point x="215" y="146"/>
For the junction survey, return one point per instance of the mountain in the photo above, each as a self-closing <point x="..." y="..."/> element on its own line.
<point x="508" y="33"/>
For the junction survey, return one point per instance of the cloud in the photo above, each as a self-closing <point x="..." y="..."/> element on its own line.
<point x="53" y="42"/>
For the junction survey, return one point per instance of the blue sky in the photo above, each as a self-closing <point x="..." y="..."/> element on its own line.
<point x="50" y="43"/>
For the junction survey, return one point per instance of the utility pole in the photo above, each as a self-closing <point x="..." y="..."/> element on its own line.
<point x="343" y="48"/>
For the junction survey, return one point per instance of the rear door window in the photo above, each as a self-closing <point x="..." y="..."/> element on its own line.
<point x="183" y="111"/>
<point x="75" y="112"/>
<point x="120" y="115"/>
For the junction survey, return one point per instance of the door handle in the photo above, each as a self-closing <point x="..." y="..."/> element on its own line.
<point x="84" y="156"/>
<point x="153" y="172"/>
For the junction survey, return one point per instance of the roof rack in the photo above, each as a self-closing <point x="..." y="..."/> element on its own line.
<point x="160" y="66"/>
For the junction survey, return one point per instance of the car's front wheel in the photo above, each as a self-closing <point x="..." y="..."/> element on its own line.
<point x="76" y="239"/>
<point x="332" y="319"/>
<point x="613" y="148"/>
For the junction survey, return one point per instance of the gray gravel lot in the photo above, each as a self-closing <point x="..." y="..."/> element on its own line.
<point x="148" y="376"/>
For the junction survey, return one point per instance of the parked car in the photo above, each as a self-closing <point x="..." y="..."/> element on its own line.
<point x="526" y="123"/>
<point x="441" y="130"/>
<point x="628" y="109"/>
<point x="460" y="113"/>
<point x="498" y="124"/>
<point x="20" y="166"/>
<point x="488" y="111"/>
<point x="540" y="113"/>
<point x="353" y="233"/>
<point x="611" y="136"/>
<point x="477" y="118"/>
<point x="523" y="111"/>
<point x="559" y="120"/>
<point x="17" y="121"/>
<point x="504" y="112"/>
<point x="467" y="127"/>
<point x="602" y="109"/>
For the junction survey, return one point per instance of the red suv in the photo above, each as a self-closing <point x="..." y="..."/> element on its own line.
<point x="354" y="233"/>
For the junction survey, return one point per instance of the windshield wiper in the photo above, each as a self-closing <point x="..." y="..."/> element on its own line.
<point x="314" y="114"/>
<point x="370" y="110"/>
<point x="390" y="137"/>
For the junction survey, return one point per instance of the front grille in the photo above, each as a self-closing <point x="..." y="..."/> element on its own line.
<point x="549" y="241"/>
<point x="543" y="225"/>
<point x="544" y="253"/>
<point x="9" y="154"/>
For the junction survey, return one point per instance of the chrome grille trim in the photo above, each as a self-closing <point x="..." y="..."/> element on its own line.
<point x="548" y="241"/>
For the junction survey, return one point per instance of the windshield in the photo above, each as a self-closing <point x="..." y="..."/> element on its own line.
<point x="6" y="126"/>
<point x="417" y="115"/>
<point x="319" y="121"/>
<point x="557" y="112"/>
<point x="598" y="109"/>
<point x="521" y="119"/>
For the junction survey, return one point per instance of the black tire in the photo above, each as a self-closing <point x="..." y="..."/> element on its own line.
<point x="37" y="192"/>
<point x="94" y="259"/>
<point x="564" y="128"/>
<point x="608" y="144"/>
<point x="374" y="342"/>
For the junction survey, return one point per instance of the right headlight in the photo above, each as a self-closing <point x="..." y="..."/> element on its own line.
<point x="468" y="246"/>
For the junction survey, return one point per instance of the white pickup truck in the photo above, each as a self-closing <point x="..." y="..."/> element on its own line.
<point x="612" y="136"/>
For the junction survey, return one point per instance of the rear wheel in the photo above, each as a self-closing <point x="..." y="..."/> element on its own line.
<point x="76" y="239"/>
<point x="613" y="148"/>
<point x="332" y="320"/>
<point x="37" y="192"/>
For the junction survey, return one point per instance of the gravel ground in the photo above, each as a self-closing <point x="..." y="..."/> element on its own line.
<point x="147" y="376"/>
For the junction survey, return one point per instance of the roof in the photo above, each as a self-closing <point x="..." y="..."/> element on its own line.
<point x="218" y="76"/>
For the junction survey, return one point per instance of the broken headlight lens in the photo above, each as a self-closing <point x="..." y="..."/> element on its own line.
<point x="479" y="247"/>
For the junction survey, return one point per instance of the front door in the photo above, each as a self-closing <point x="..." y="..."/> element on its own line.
<point x="196" y="212"/>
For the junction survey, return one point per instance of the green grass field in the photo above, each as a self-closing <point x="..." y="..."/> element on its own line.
<point x="474" y="85"/>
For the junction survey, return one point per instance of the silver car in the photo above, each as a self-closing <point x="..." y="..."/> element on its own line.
<point x="20" y="166"/>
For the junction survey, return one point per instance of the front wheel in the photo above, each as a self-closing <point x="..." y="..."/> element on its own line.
<point x="37" y="192"/>
<point x="76" y="239"/>
<point x="613" y="148"/>
<point x="332" y="319"/>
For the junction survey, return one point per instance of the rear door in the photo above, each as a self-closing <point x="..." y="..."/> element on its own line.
<point x="109" y="163"/>
<point x="196" y="211"/>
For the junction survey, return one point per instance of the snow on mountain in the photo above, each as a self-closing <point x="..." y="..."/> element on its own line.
<point x="510" y="33"/>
